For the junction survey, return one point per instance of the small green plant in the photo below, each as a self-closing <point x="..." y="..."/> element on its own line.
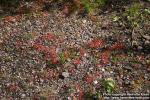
<point x="133" y="15"/>
<point x="84" y="5"/>
<point x="62" y="58"/>
<point x="91" y="5"/>
<point x="109" y="85"/>
<point x="87" y="5"/>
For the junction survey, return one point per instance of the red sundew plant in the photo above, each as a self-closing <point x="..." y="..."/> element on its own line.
<point x="95" y="43"/>
<point x="12" y="87"/>
<point x="49" y="51"/>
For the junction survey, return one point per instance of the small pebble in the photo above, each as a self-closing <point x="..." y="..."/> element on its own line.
<point x="111" y="72"/>
<point x="84" y="21"/>
<point x="95" y="82"/>
<point x="23" y="95"/>
<point x="65" y="74"/>
<point x="103" y="69"/>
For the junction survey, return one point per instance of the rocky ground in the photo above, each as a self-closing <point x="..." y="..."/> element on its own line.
<point x="47" y="56"/>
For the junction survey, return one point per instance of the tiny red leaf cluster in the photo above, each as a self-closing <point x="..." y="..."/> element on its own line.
<point x="95" y="43"/>
<point x="116" y="46"/>
<point x="88" y="78"/>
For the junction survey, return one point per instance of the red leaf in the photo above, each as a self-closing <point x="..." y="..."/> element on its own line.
<point x="98" y="65"/>
<point x="53" y="55"/>
<point x="80" y="91"/>
<point x="104" y="57"/>
<point x="47" y="57"/>
<point x="45" y="14"/>
<point x="39" y="47"/>
<point x="18" y="44"/>
<point x="52" y="50"/>
<point x="66" y="54"/>
<point x="18" y="17"/>
<point x="9" y="19"/>
<point x="71" y="70"/>
<point x="77" y="61"/>
<point x="98" y="74"/>
<point x="54" y="60"/>
<point x="65" y="10"/>
<point x="117" y="46"/>
<point x="95" y="43"/>
<point x="51" y="73"/>
<point x="88" y="78"/>
<point x="48" y="36"/>
<point x="12" y="87"/>
<point x="82" y="52"/>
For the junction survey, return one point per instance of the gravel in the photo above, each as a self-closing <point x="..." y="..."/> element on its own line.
<point x="26" y="73"/>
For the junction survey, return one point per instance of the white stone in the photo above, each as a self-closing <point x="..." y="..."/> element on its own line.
<point x="65" y="74"/>
<point x="91" y="68"/>
<point x="23" y="95"/>
<point x="84" y="21"/>
<point x="95" y="82"/>
<point x="111" y="72"/>
<point x="85" y="54"/>
<point x="103" y="69"/>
